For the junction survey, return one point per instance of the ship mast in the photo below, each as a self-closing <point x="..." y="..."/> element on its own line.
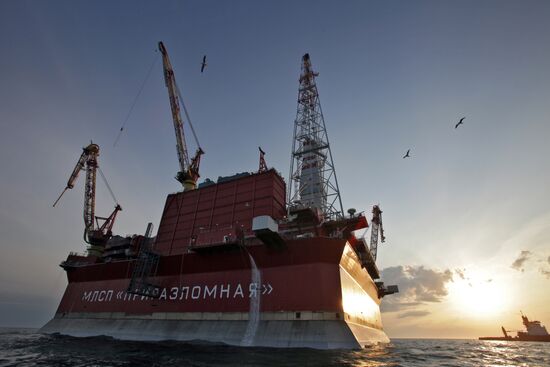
<point x="312" y="183"/>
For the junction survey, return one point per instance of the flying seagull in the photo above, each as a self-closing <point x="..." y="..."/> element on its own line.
<point x="203" y="64"/>
<point x="460" y="122"/>
<point x="407" y="155"/>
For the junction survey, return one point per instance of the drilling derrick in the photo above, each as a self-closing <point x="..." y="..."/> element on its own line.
<point x="313" y="183"/>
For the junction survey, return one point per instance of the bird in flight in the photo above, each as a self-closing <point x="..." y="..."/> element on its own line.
<point x="203" y="64"/>
<point x="407" y="154"/>
<point x="460" y="122"/>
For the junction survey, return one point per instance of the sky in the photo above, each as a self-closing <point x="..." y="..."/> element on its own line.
<point x="467" y="217"/>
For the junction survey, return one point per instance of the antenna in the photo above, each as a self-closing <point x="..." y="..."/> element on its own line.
<point x="263" y="165"/>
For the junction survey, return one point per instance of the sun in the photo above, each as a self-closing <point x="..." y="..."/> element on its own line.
<point x="478" y="297"/>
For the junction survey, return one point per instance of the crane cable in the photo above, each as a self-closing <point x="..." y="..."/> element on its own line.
<point x="107" y="184"/>
<point x="187" y="114"/>
<point x="135" y="99"/>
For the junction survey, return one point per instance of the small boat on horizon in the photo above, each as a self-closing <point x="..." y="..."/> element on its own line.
<point x="535" y="332"/>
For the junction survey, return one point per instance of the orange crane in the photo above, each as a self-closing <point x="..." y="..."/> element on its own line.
<point x="376" y="226"/>
<point x="95" y="235"/>
<point x="189" y="168"/>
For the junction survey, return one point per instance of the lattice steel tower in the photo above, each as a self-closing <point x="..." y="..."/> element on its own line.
<point x="313" y="181"/>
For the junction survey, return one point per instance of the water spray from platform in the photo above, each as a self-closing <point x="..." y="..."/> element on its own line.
<point x="254" y="311"/>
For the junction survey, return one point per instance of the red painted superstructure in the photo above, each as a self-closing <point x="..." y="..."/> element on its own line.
<point x="208" y="214"/>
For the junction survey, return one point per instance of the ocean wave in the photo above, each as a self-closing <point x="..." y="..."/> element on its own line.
<point x="24" y="348"/>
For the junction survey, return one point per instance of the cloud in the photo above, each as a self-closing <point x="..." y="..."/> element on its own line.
<point x="413" y="314"/>
<point x="417" y="285"/>
<point x="389" y="303"/>
<point x="460" y="273"/>
<point x="522" y="258"/>
<point x="546" y="272"/>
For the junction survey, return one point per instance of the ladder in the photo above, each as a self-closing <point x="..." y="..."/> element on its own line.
<point x="145" y="266"/>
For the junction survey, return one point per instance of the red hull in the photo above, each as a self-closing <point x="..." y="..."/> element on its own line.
<point x="221" y="282"/>
<point x="313" y="281"/>
<point x="217" y="282"/>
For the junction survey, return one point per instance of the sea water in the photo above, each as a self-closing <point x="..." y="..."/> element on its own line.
<point x="19" y="347"/>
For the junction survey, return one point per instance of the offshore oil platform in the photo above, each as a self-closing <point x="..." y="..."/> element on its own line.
<point x="247" y="260"/>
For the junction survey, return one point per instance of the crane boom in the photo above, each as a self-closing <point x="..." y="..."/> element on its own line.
<point x="94" y="234"/>
<point x="92" y="152"/>
<point x="74" y="175"/>
<point x="189" y="169"/>
<point x="87" y="159"/>
<point x="376" y="226"/>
